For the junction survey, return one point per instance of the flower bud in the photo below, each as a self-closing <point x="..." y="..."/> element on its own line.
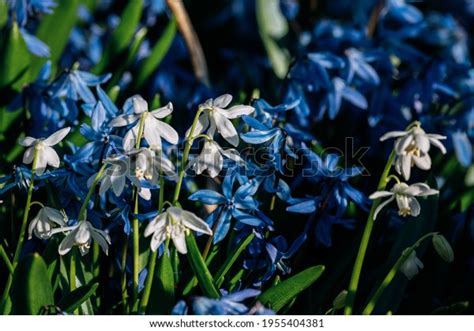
<point x="443" y="248"/>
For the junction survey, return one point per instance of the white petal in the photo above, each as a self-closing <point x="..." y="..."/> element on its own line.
<point x="383" y="204"/>
<point x="83" y="232"/>
<point x="27" y="141"/>
<point x="393" y="134"/>
<point x="66" y="244"/>
<point x="222" y="101"/>
<point x="139" y="104"/>
<point x="130" y="138"/>
<point x="167" y="132"/>
<point x="102" y="238"/>
<point x="151" y="132"/>
<point x="55" y="215"/>
<point x="123" y="120"/>
<point x="158" y="224"/>
<point x="237" y="111"/>
<point x="40" y="163"/>
<point x="51" y="156"/>
<point x="201" y="125"/>
<point x="226" y="128"/>
<point x="28" y="156"/>
<point x="157" y="240"/>
<point x="163" y="111"/>
<point x="402" y="143"/>
<point x="406" y="166"/>
<point x="414" y="206"/>
<point x="423" y="162"/>
<point x="422" y="142"/>
<point x="56" y="137"/>
<point x="191" y="221"/>
<point x="179" y="241"/>
<point x="438" y="144"/>
<point x="118" y="184"/>
<point x="145" y="193"/>
<point x="380" y="194"/>
<point x="32" y="226"/>
<point x="105" y="184"/>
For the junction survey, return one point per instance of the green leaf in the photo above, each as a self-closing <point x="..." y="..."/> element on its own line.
<point x="200" y="269"/>
<point x="272" y="27"/>
<point x="162" y="296"/>
<point x="453" y="309"/>
<point x="229" y="262"/>
<point x="76" y="298"/>
<point x="149" y="65"/>
<point x="54" y="30"/>
<point x="277" y="297"/>
<point x="31" y="288"/>
<point x="130" y="56"/>
<point x="123" y="34"/>
<point x="14" y="59"/>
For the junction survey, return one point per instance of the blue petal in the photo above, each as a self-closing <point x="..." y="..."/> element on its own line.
<point x="208" y="197"/>
<point x="462" y="148"/>
<point x="305" y="207"/>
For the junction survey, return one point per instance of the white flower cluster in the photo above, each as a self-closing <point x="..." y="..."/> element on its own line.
<point x="411" y="149"/>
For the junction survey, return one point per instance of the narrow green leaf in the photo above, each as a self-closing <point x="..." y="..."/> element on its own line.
<point x="277" y="297"/>
<point x="453" y="309"/>
<point x="229" y="262"/>
<point x="54" y="30"/>
<point x="149" y="65"/>
<point x="162" y="296"/>
<point x="76" y="298"/>
<point x="14" y="59"/>
<point x="272" y="27"/>
<point x="200" y="269"/>
<point x="31" y="288"/>
<point x="123" y="34"/>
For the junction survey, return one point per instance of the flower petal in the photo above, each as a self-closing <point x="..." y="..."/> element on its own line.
<point x="56" y="137"/>
<point x="226" y="128"/>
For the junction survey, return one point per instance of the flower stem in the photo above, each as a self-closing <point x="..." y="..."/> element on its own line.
<point x="6" y="259"/>
<point x="123" y="280"/>
<point x="83" y="211"/>
<point x="136" y="226"/>
<point x="184" y="161"/>
<point x="207" y="248"/>
<point x="354" y="282"/>
<point x="21" y="238"/>
<point x="153" y="256"/>
<point x="391" y="274"/>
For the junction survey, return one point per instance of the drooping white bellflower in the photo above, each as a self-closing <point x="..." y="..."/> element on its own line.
<point x="46" y="219"/>
<point x="411" y="266"/>
<point x="174" y="223"/>
<point x="153" y="128"/>
<point x="81" y="235"/>
<point x="211" y="158"/>
<point x="412" y="147"/>
<point x="216" y="117"/>
<point x="45" y="153"/>
<point x="405" y="195"/>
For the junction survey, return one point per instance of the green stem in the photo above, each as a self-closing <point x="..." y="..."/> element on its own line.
<point x="153" y="256"/>
<point x="123" y="279"/>
<point x="83" y="211"/>
<point x="184" y="161"/>
<point x="72" y="272"/>
<point x="136" y="225"/>
<point x="354" y="282"/>
<point x="21" y="238"/>
<point x="6" y="259"/>
<point x="391" y="274"/>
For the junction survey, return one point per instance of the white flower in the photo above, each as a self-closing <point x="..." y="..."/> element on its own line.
<point x="211" y="158"/>
<point x="174" y="223"/>
<point x="46" y="219"/>
<point x="405" y="197"/>
<point x="216" y="117"/>
<point x="412" y="148"/>
<point x="153" y="129"/>
<point x="138" y="166"/>
<point x="411" y="266"/>
<point x="45" y="154"/>
<point x="81" y="235"/>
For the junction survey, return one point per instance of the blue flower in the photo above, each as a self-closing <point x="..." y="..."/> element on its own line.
<point x="239" y="205"/>
<point x="228" y="304"/>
